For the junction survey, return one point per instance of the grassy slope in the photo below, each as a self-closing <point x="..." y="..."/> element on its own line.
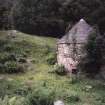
<point x="38" y="75"/>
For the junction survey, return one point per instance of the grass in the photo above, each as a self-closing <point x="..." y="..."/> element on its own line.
<point x="84" y="91"/>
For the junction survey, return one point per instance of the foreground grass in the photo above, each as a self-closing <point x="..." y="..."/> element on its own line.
<point x="85" y="91"/>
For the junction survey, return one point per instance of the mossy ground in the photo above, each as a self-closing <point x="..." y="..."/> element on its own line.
<point x="38" y="75"/>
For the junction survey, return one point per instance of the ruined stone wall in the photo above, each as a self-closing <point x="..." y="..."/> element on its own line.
<point x="65" y="55"/>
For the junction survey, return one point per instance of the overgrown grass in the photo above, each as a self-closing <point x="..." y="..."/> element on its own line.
<point x="23" y="87"/>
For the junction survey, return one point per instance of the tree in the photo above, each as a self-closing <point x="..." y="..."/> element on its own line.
<point x="91" y="62"/>
<point x="5" y="9"/>
<point x="38" y="16"/>
<point x="50" y="17"/>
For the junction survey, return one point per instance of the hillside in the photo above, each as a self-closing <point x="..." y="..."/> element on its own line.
<point x="38" y="82"/>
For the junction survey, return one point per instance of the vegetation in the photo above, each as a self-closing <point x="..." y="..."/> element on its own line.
<point x="9" y="58"/>
<point x="60" y="70"/>
<point x="51" y="59"/>
<point x="41" y="96"/>
<point x="50" y="17"/>
<point x="37" y="83"/>
<point x="27" y="61"/>
<point x="92" y="61"/>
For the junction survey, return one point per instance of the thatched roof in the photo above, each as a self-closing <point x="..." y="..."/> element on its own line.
<point x="80" y="32"/>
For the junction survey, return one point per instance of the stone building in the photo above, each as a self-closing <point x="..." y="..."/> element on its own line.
<point x="69" y="46"/>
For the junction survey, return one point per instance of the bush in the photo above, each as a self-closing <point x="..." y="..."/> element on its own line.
<point x="60" y="70"/>
<point x="3" y="57"/>
<point x="12" y="101"/>
<point x="8" y="47"/>
<point x="13" y="67"/>
<point x="51" y="59"/>
<point x="12" y="57"/>
<point x="9" y="64"/>
<point x="3" y="42"/>
<point x="73" y="98"/>
<point x="7" y="57"/>
<point x="40" y="96"/>
<point x="91" y="62"/>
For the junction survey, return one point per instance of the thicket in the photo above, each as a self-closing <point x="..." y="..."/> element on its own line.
<point x="94" y="54"/>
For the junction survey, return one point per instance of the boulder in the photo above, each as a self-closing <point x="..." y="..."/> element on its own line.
<point x="59" y="102"/>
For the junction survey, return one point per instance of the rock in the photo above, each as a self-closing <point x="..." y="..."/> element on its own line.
<point x="12" y="34"/>
<point x="10" y="79"/>
<point x="89" y="86"/>
<point x="59" y="102"/>
<point x="1" y="78"/>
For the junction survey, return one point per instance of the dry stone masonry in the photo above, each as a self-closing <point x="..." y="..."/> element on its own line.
<point x="69" y="46"/>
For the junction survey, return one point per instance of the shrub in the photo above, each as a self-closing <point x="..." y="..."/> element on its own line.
<point x="13" y="67"/>
<point x="41" y="96"/>
<point x="8" y="47"/>
<point x="9" y="64"/>
<point x="51" y="59"/>
<point x="60" y="70"/>
<point x="73" y="98"/>
<point x="3" y="57"/>
<point x="91" y="62"/>
<point x="7" y="57"/>
<point x="3" y="42"/>
<point x="12" y="57"/>
<point x="12" y="101"/>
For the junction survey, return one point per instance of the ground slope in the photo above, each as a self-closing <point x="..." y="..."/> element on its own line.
<point x="38" y="75"/>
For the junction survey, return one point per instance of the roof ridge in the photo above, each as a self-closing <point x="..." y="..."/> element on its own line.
<point x="81" y="30"/>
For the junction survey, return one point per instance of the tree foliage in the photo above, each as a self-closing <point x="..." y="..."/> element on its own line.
<point x="93" y="59"/>
<point x="50" y="17"/>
